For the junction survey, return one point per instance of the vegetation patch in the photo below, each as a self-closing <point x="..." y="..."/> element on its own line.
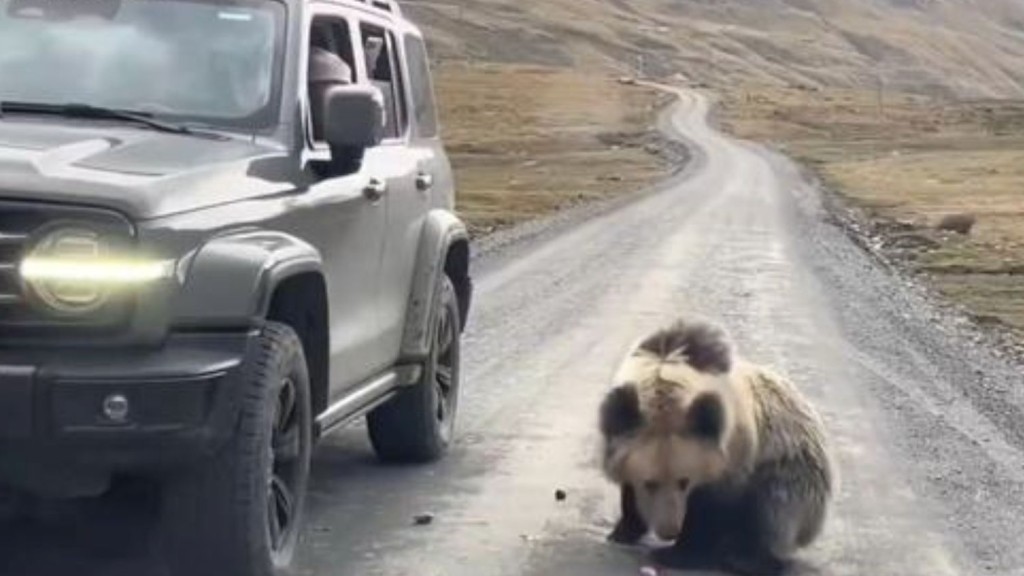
<point x="940" y="181"/>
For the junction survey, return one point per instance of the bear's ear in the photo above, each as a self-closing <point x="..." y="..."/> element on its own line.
<point x="706" y="418"/>
<point x="620" y="412"/>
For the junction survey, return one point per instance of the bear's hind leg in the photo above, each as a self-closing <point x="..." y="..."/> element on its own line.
<point x="631" y="527"/>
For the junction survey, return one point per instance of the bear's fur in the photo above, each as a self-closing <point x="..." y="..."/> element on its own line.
<point x="724" y="457"/>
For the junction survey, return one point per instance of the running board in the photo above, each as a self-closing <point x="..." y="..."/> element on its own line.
<point x="364" y="399"/>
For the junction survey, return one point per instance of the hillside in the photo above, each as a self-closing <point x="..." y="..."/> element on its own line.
<point x="944" y="139"/>
<point x="967" y="48"/>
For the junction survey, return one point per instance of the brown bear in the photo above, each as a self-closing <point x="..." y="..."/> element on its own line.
<point x="723" y="457"/>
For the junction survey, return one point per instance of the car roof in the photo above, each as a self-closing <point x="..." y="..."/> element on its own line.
<point x="384" y="8"/>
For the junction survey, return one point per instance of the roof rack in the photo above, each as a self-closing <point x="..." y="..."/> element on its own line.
<point x="390" y="6"/>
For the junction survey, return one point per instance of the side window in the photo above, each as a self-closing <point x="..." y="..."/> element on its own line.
<point x="424" y="110"/>
<point x="382" y="67"/>
<point x="331" y="63"/>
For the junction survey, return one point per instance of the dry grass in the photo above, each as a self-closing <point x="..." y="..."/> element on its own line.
<point x="526" y="141"/>
<point x="916" y="160"/>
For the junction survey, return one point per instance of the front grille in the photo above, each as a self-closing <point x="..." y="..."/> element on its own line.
<point x="11" y="247"/>
<point x="21" y="223"/>
<point x="17" y="222"/>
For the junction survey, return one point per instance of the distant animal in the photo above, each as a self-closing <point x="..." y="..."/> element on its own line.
<point x="723" y="457"/>
<point x="959" y="223"/>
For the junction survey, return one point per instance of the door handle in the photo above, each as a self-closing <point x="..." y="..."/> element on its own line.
<point x="424" y="181"/>
<point x="375" y="189"/>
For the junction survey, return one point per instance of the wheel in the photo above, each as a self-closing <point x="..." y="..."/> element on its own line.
<point x="417" y="425"/>
<point x="240" y="512"/>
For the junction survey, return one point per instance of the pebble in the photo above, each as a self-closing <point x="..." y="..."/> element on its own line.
<point x="560" y="495"/>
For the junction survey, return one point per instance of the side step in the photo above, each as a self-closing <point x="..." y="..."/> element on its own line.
<point x="361" y="401"/>
<point x="365" y="398"/>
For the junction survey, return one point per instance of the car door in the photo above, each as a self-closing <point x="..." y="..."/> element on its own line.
<point x="398" y="163"/>
<point x="346" y="223"/>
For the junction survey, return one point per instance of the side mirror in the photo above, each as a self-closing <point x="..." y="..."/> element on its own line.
<point x="353" y="118"/>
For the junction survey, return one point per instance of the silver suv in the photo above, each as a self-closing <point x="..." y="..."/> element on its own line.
<point x="226" y="229"/>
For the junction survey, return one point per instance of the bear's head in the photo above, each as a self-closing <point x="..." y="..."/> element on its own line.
<point x="664" y="466"/>
<point x="669" y="423"/>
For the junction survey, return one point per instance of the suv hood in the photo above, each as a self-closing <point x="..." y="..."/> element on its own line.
<point x="138" y="171"/>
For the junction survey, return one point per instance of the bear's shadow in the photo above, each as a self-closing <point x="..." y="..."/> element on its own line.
<point x="642" y="550"/>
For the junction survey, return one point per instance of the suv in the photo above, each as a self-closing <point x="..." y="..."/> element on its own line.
<point x="226" y="229"/>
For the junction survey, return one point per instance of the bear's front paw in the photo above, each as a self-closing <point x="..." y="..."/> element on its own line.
<point x="681" y="559"/>
<point x="755" y="565"/>
<point x="626" y="533"/>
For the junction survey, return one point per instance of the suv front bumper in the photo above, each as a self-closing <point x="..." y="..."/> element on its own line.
<point x="181" y="405"/>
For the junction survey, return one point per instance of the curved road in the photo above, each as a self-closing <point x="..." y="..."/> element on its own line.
<point x="928" y="428"/>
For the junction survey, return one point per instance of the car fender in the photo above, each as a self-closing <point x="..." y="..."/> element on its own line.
<point x="441" y="231"/>
<point x="229" y="280"/>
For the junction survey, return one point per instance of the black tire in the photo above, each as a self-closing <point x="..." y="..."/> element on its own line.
<point x="240" y="512"/>
<point x="417" y="425"/>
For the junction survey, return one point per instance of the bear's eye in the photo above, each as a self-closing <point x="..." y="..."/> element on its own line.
<point x="651" y="485"/>
<point x="684" y="484"/>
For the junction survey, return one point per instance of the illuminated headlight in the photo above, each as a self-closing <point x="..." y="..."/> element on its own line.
<point x="74" y="271"/>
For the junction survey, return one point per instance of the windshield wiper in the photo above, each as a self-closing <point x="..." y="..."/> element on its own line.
<point x="100" y="113"/>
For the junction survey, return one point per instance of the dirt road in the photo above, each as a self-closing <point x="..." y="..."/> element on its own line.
<point x="928" y="428"/>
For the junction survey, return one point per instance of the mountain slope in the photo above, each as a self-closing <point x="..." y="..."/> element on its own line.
<point x="968" y="48"/>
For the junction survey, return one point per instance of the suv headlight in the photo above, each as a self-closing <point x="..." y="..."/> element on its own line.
<point x="75" y="270"/>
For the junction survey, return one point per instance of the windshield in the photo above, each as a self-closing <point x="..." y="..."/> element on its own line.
<point x="213" y="63"/>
